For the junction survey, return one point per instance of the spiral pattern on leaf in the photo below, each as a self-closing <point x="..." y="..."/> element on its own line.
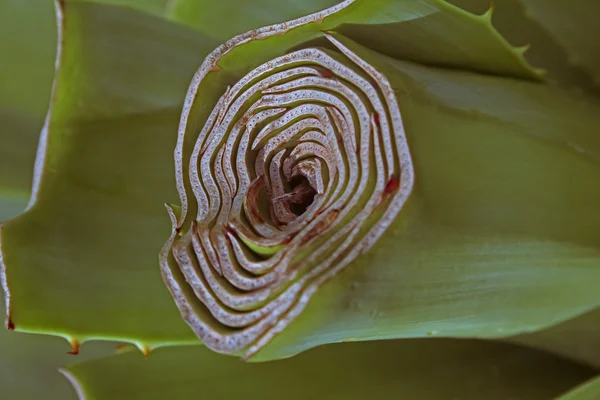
<point x="299" y="169"/>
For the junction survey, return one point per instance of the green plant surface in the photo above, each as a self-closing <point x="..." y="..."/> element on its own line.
<point x="499" y="238"/>
<point x="573" y="24"/>
<point x="98" y="221"/>
<point x="540" y="25"/>
<point x="29" y="365"/>
<point x="488" y="233"/>
<point x="25" y="84"/>
<point x="156" y="7"/>
<point x="587" y="391"/>
<point x="415" y="369"/>
<point x="208" y="16"/>
<point x="577" y="338"/>
<point x="431" y="31"/>
<point x="540" y="33"/>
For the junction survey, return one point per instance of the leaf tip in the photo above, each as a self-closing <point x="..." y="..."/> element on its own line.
<point x="392" y="185"/>
<point x="489" y="13"/>
<point x="144" y="349"/>
<point x="523" y="49"/>
<point x="74" y="346"/>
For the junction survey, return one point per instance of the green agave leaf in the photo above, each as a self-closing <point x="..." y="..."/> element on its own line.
<point x="577" y="338"/>
<point x="26" y="80"/>
<point x="415" y="369"/>
<point x="432" y="31"/>
<point x="11" y="204"/>
<point x="438" y="33"/>
<point x="29" y="366"/>
<point x="528" y="26"/>
<point x="483" y="48"/>
<point x="587" y="391"/>
<point x="156" y="7"/>
<point x="29" y="43"/>
<point x="85" y="253"/>
<point x="505" y="211"/>
<point x="217" y="18"/>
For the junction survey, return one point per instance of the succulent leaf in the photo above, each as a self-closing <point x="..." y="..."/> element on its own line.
<point x="554" y="34"/>
<point x="342" y="138"/>
<point x="217" y="19"/>
<point x="96" y="222"/>
<point x="577" y="339"/>
<point x="587" y="391"/>
<point x="573" y="24"/>
<point x="469" y="194"/>
<point x="432" y="32"/>
<point x="29" y="42"/>
<point x="415" y="369"/>
<point x="156" y="7"/>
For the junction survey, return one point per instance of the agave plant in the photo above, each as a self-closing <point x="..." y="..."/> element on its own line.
<point x="332" y="171"/>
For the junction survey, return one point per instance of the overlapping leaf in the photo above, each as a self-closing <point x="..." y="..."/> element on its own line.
<point x="587" y="391"/>
<point x="577" y="338"/>
<point x="89" y="244"/>
<point x="208" y="16"/>
<point x="29" y="45"/>
<point x="156" y="7"/>
<point x="415" y="369"/>
<point x="431" y="31"/>
<point x="555" y="33"/>
<point x="29" y="365"/>
<point x="489" y="231"/>
<point x="573" y="24"/>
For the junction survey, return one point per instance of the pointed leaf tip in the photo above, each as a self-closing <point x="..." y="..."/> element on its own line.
<point x="145" y="350"/>
<point x="75" y="344"/>
<point x="489" y="14"/>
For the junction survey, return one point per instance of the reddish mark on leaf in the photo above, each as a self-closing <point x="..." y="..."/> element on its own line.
<point x="321" y="226"/>
<point x="287" y="239"/>
<point x="392" y="185"/>
<point x="145" y="351"/>
<point x="75" y="347"/>
<point x="325" y="73"/>
<point x="228" y="229"/>
<point x="10" y="325"/>
<point x="376" y="119"/>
